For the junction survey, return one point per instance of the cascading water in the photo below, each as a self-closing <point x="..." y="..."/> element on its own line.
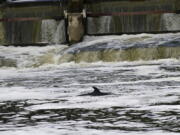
<point x="124" y="48"/>
<point x="101" y="25"/>
<point x="94" y="49"/>
<point x="171" y="21"/>
<point x="60" y="35"/>
<point x="48" y="29"/>
<point x="29" y="57"/>
<point x="133" y="24"/>
<point x="53" y="31"/>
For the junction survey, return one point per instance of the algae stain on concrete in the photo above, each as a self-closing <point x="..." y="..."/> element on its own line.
<point x="27" y="32"/>
<point x="2" y="38"/>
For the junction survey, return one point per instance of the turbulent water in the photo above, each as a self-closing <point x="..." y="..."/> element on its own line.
<point x="39" y="94"/>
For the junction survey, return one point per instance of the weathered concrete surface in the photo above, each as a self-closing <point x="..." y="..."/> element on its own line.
<point x="2" y="34"/>
<point x="98" y="6"/>
<point x="31" y="31"/>
<point x="28" y="32"/>
<point x="75" y="6"/>
<point x="43" y="10"/>
<point x="130" y="23"/>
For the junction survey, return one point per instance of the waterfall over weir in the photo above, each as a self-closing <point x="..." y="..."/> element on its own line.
<point x="171" y="21"/>
<point x="45" y="31"/>
<point x="124" y="48"/>
<point x="95" y="49"/>
<point x="143" y="24"/>
<point x="103" y="25"/>
<point x="53" y="31"/>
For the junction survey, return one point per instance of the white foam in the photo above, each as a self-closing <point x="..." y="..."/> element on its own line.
<point x="55" y="129"/>
<point x="129" y="95"/>
<point x="21" y="93"/>
<point x="125" y="40"/>
<point x="29" y="56"/>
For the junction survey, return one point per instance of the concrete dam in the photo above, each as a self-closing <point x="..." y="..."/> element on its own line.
<point x="61" y="21"/>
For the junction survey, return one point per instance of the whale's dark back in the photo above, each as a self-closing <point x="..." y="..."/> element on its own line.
<point x="96" y="92"/>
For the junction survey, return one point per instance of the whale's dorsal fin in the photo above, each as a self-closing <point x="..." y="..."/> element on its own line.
<point x="96" y="90"/>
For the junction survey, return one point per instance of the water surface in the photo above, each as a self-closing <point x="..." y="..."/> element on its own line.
<point x="43" y="98"/>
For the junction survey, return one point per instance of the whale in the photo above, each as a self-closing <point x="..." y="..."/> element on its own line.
<point x="96" y="92"/>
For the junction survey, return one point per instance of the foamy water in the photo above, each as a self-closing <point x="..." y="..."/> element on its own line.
<point x="44" y="99"/>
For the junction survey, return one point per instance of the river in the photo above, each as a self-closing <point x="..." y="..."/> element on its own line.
<point x="40" y="92"/>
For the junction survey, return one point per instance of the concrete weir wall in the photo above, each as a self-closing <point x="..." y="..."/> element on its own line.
<point x="2" y="33"/>
<point x="39" y="30"/>
<point x="50" y="28"/>
<point x="145" y="21"/>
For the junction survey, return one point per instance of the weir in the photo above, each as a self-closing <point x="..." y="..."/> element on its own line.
<point x="61" y="21"/>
